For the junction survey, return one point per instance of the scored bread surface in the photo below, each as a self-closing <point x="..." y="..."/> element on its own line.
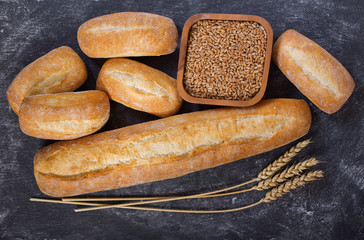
<point x="316" y="73"/>
<point x="64" y="116"/>
<point x="128" y="34"/>
<point x="139" y="86"/>
<point x="168" y="147"/>
<point x="60" y="70"/>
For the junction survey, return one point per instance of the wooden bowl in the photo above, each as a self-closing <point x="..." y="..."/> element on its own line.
<point x="183" y="54"/>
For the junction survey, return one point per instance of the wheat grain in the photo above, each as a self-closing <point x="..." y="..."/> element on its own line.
<point x="225" y="59"/>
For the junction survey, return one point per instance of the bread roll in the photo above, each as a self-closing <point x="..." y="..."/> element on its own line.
<point x="169" y="147"/>
<point x="64" y="115"/>
<point x="60" y="70"/>
<point x="140" y="87"/>
<point x="317" y="74"/>
<point x="128" y="34"/>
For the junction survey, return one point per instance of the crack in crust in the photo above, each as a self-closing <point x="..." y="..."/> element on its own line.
<point x="172" y="143"/>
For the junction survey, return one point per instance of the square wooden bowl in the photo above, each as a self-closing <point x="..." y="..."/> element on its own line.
<point x="183" y="55"/>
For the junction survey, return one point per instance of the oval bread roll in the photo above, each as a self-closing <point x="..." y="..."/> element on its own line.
<point x="128" y="34"/>
<point x="169" y="147"/>
<point x="60" y="70"/>
<point x="140" y="87"/>
<point x="316" y="73"/>
<point x="64" y="116"/>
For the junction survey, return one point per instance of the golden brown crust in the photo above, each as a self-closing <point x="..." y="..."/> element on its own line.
<point x="140" y="87"/>
<point x="316" y="73"/>
<point x="128" y="34"/>
<point x="64" y="116"/>
<point x="168" y="147"/>
<point x="60" y="70"/>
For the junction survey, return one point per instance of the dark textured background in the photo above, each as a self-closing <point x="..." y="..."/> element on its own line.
<point x="328" y="209"/>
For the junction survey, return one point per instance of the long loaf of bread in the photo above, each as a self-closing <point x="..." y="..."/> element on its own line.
<point x="169" y="147"/>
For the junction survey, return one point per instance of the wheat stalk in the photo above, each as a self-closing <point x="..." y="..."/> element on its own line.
<point x="282" y="161"/>
<point x="296" y="169"/>
<point x="266" y="184"/>
<point x="145" y="208"/>
<point x="296" y="182"/>
<point x="272" y="195"/>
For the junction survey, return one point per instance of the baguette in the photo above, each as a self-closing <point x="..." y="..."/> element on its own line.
<point x="316" y="73"/>
<point x="140" y="87"/>
<point x="60" y="70"/>
<point x="169" y="147"/>
<point x="128" y="34"/>
<point x="64" y="116"/>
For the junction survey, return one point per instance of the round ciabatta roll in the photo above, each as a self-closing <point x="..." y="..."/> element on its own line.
<point x="60" y="70"/>
<point x="64" y="116"/>
<point x="314" y="71"/>
<point x="139" y="86"/>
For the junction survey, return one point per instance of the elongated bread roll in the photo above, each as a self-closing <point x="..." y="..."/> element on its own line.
<point x="140" y="87"/>
<point x="128" y="34"/>
<point x="60" y="70"/>
<point x="169" y="147"/>
<point x="316" y="73"/>
<point x="64" y="116"/>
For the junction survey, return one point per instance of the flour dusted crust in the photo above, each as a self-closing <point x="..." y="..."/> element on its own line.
<point x="140" y="87"/>
<point x="60" y="70"/>
<point x="64" y="116"/>
<point x="169" y="147"/>
<point x="316" y="73"/>
<point x="127" y="34"/>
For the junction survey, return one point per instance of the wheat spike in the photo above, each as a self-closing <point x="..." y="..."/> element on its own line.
<point x="282" y="161"/>
<point x="296" y="169"/>
<point x="296" y="182"/>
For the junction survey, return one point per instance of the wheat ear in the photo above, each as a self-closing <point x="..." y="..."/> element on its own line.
<point x="296" y="169"/>
<point x="296" y="182"/>
<point x="282" y="161"/>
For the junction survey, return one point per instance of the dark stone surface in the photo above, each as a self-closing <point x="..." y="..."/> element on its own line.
<point x="328" y="209"/>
